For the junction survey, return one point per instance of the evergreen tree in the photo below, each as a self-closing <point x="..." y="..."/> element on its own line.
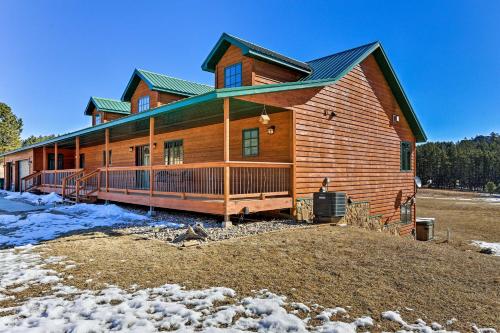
<point x="10" y="129"/>
<point x="32" y="139"/>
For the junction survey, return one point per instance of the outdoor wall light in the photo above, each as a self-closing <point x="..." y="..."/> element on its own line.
<point x="154" y="145"/>
<point x="330" y="114"/>
<point x="395" y="119"/>
<point x="271" y="130"/>
<point x="130" y="149"/>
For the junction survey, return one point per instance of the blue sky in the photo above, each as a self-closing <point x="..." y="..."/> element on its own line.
<point x="55" y="54"/>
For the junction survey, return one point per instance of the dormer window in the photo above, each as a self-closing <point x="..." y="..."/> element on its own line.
<point x="98" y="118"/>
<point x="143" y="103"/>
<point x="232" y="76"/>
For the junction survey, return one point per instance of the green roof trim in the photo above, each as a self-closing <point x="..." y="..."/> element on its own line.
<point x="251" y="50"/>
<point x="107" y="105"/>
<point x="164" y="83"/>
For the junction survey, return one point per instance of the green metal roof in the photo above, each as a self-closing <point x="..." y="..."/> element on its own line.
<point x="107" y="105"/>
<point x="252" y="50"/>
<point x="341" y="64"/>
<point x="164" y="83"/>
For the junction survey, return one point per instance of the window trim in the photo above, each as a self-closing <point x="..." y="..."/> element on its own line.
<point x="165" y="158"/>
<point x="139" y="103"/>
<point x="95" y="119"/>
<point x="243" y="141"/>
<point x="403" y="166"/>
<point x="240" y="64"/>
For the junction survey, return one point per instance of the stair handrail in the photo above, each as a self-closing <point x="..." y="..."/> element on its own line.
<point x="26" y="178"/>
<point x="65" y="180"/>
<point x="80" y="185"/>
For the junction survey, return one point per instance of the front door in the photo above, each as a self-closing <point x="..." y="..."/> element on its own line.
<point x="11" y="185"/>
<point x="142" y="158"/>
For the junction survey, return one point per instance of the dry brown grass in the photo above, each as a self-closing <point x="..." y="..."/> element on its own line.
<point x="467" y="219"/>
<point x="331" y="266"/>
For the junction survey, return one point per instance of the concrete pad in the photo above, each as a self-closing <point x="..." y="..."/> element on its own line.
<point x="12" y="206"/>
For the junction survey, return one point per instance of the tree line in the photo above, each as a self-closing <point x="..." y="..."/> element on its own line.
<point x="468" y="164"/>
<point x="11" y="128"/>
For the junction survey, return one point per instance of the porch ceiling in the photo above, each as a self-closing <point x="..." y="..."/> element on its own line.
<point x="208" y="113"/>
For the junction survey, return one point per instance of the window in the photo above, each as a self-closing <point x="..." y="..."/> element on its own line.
<point x="52" y="163"/>
<point x="405" y="156"/>
<point x="143" y="103"/>
<point x="82" y="161"/>
<point x="174" y="152"/>
<point x="98" y="119"/>
<point x="232" y="76"/>
<point x="251" y="142"/>
<point x="406" y="213"/>
<point x="110" y="154"/>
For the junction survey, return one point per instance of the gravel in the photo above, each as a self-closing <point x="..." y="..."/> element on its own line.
<point x="167" y="226"/>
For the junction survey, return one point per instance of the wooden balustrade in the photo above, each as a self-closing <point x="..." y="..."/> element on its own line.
<point x="87" y="185"/>
<point x="247" y="179"/>
<point x="69" y="183"/>
<point x="31" y="181"/>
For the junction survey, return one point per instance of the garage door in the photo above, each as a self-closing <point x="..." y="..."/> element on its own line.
<point x="24" y="169"/>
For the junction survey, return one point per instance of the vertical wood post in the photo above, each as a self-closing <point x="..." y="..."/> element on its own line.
<point x="56" y="162"/>
<point x="293" y="157"/>
<point x="151" y="154"/>
<point x="106" y="156"/>
<point x="227" y="188"/>
<point x="6" y="174"/>
<point x="77" y="152"/>
<point x="44" y="158"/>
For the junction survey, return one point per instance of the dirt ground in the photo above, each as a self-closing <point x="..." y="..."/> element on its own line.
<point x="329" y="265"/>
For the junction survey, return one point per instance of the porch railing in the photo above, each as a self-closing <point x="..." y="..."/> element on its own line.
<point x="69" y="183"/>
<point x="246" y="180"/>
<point x="48" y="178"/>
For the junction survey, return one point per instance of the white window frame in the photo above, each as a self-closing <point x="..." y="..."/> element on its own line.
<point x="143" y="104"/>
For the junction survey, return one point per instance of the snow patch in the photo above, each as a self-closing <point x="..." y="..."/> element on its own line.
<point x="494" y="247"/>
<point x="44" y="199"/>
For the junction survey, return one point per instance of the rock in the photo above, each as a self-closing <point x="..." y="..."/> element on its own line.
<point x="189" y="243"/>
<point x="486" y="250"/>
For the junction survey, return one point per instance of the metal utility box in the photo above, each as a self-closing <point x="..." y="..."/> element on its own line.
<point x="425" y="228"/>
<point x="328" y="206"/>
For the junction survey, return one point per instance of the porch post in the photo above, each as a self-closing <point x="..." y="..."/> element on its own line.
<point x="151" y="159"/>
<point x="77" y="152"/>
<point x="106" y="156"/>
<point x="293" y="156"/>
<point x="44" y="158"/>
<point x="55" y="157"/>
<point x="6" y="174"/>
<point x="227" y="188"/>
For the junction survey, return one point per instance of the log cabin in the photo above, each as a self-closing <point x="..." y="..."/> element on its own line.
<point x="264" y="137"/>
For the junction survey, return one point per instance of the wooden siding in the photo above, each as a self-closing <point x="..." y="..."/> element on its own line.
<point x="265" y="73"/>
<point x="233" y="56"/>
<point x="203" y="144"/>
<point x="105" y="116"/>
<point x="359" y="148"/>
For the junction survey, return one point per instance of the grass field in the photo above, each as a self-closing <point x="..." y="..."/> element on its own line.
<point x="368" y="272"/>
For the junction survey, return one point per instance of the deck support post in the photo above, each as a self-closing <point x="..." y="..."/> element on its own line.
<point x="106" y="156"/>
<point x="77" y="152"/>
<point x="151" y="162"/>
<point x="227" y="175"/>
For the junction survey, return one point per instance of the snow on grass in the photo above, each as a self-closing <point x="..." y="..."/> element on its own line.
<point x="493" y="247"/>
<point x="21" y="267"/>
<point x="44" y="199"/>
<point x="33" y="227"/>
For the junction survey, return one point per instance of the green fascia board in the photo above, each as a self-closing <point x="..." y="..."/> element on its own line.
<point x="223" y="44"/>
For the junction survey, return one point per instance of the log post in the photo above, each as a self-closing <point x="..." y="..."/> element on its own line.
<point x="227" y="188"/>
<point x="151" y="154"/>
<point x="44" y="158"/>
<point x="56" y="162"/>
<point x="106" y="156"/>
<point x="77" y="152"/>
<point x="293" y="157"/>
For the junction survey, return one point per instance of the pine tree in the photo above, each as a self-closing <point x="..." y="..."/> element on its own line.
<point x="10" y="129"/>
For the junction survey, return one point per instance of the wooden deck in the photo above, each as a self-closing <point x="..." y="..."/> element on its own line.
<point x="221" y="188"/>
